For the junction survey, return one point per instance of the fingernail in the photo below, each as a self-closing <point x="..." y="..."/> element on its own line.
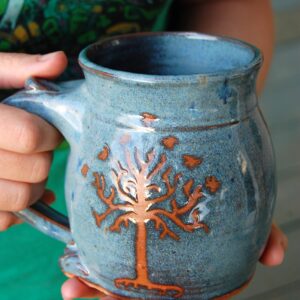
<point x="48" y="56"/>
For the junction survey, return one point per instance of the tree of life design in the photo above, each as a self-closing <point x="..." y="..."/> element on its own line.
<point x="134" y="186"/>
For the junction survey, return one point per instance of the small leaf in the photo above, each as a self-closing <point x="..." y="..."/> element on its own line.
<point x="212" y="184"/>
<point x="85" y="170"/>
<point x="170" y="142"/>
<point x="191" y="161"/>
<point x="147" y="117"/>
<point x="103" y="155"/>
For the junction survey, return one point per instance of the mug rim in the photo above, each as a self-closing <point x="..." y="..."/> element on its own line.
<point x="109" y="73"/>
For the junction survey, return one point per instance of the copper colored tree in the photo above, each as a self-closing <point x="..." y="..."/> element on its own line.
<point x="134" y="186"/>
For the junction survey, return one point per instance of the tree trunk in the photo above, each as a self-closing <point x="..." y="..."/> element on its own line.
<point x="141" y="253"/>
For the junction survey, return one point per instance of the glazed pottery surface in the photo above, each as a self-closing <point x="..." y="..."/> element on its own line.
<point x="170" y="184"/>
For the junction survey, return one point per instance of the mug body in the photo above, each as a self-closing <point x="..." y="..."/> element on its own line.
<point x="171" y="183"/>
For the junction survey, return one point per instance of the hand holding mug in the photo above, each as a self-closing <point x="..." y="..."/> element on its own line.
<point x="26" y="140"/>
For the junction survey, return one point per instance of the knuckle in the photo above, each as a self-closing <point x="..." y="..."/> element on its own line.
<point x="29" y="134"/>
<point x="40" y="167"/>
<point x="22" y="197"/>
<point x="6" y="220"/>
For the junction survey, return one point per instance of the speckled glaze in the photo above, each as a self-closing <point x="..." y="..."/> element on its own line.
<point x="170" y="183"/>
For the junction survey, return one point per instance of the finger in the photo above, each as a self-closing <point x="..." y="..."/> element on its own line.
<point x="275" y="249"/>
<point x="48" y="198"/>
<point x="15" y="68"/>
<point x="8" y="219"/>
<point x="16" y="196"/>
<point x="23" y="132"/>
<point x="73" y="288"/>
<point x="31" y="168"/>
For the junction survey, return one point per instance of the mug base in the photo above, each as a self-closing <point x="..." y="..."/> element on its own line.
<point x="72" y="268"/>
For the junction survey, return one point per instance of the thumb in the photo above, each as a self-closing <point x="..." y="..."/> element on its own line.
<point x="15" y="68"/>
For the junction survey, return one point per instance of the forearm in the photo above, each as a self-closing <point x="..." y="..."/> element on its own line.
<point x="248" y="20"/>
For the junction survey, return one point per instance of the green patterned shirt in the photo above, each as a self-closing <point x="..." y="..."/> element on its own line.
<point x="28" y="259"/>
<point x="41" y="26"/>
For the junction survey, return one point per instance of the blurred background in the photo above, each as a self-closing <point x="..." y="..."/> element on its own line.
<point x="281" y="106"/>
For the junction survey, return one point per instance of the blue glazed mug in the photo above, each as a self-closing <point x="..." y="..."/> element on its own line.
<point x="170" y="184"/>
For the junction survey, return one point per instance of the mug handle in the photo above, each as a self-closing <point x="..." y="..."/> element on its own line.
<point x="48" y="101"/>
<point x="47" y="220"/>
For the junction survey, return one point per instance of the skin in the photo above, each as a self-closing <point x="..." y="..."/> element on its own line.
<point x="24" y="166"/>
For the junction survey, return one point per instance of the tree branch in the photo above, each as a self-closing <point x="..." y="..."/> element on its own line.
<point x="150" y="156"/>
<point x="100" y="186"/>
<point x="100" y="217"/>
<point x="125" y="218"/>
<point x="153" y="187"/>
<point x="174" y="218"/>
<point x="197" y="223"/>
<point x="158" y="166"/>
<point x="159" y="223"/>
<point x="171" y="189"/>
<point x="134" y="171"/>
<point x="177" y="212"/>
<point x="129" y="198"/>
<point x="141" y="164"/>
<point x="193" y="198"/>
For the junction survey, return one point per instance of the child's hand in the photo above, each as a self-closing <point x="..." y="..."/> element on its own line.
<point x="26" y="141"/>
<point x="272" y="256"/>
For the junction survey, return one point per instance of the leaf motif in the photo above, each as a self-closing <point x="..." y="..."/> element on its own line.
<point x="103" y="155"/>
<point x="85" y="170"/>
<point x="191" y="161"/>
<point x="170" y="142"/>
<point x="212" y="184"/>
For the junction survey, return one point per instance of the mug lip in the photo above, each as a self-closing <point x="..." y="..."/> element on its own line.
<point x="114" y="74"/>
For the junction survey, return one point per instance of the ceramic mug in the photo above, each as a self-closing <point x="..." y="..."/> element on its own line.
<point x="170" y="183"/>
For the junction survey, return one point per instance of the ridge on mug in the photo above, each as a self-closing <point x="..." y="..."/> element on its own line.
<point x="170" y="184"/>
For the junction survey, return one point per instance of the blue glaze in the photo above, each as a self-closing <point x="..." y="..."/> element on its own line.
<point x="225" y="92"/>
<point x="191" y="98"/>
